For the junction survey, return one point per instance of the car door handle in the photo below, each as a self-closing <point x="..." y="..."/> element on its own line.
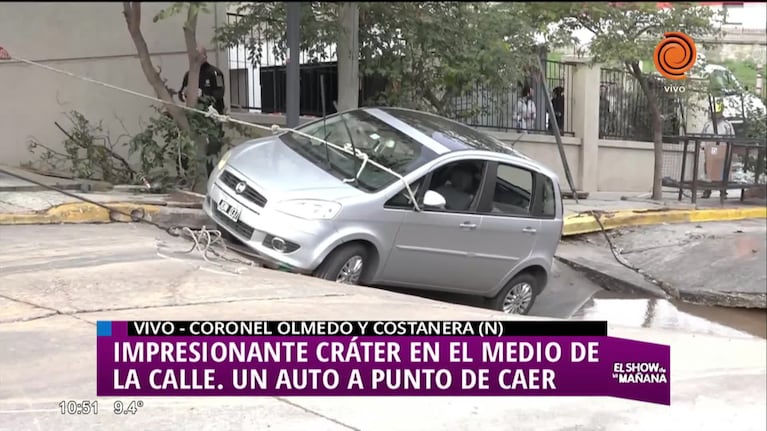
<point x="529" y="230"/>
<point x="467" y="225"/>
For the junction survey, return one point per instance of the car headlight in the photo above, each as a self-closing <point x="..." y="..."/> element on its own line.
<point x="309" y="209"/>
<point x="223" y="160"/>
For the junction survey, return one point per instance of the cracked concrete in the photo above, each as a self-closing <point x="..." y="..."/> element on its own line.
<point x="716" y="263"/>
<point x="48" y="358"/>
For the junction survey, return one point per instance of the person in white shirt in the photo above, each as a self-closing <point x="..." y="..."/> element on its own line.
<point x="711" y="148"/>
<point x="525" y="115"/>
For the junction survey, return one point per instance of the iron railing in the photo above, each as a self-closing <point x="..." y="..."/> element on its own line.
<point x="260" y="86"/>
<point x="624" y="112"/>
<point x="504" y="109"/>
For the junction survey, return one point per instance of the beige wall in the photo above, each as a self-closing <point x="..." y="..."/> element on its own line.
<point x="89" y="39"/>
<point x="625" y="166"/>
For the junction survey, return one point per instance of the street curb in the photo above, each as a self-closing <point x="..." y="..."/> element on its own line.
<point x="78" y="212"/>
<point x="84" y="213"/>
<point x="584" y="222"/>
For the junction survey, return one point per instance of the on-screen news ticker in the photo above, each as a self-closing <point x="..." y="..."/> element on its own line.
<point x="377" y="358"/>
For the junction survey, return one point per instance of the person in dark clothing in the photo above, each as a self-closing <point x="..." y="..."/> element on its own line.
<point x="558" y="102"/>
<point x="211" y="83"/>
<point x="211" y="88"/>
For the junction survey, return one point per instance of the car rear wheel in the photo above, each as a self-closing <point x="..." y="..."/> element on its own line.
<point x="345" y="264"/>
<point x="518" y="296"/>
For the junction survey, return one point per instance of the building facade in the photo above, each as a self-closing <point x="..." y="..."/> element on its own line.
<point x="92" y="40"/>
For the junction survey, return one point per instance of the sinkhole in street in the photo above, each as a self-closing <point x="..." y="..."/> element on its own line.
<point x="646" y="312"/>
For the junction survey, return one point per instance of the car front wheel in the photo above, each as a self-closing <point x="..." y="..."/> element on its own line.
<point x="344" y="265"/>
<point x="518" y="296"/>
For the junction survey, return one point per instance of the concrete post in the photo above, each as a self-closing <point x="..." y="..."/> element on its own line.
<point x="759" y="79"/>
<point x="293" y="96"/>
<point x="348" y="58"/>
<point x="585" y="96"/>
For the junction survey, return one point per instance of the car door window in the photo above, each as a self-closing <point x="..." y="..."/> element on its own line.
<point x="545" y="206"/>
<point x="402" y="199"/>
<point x="513" y="191"/>
<point x="459" y="183"/>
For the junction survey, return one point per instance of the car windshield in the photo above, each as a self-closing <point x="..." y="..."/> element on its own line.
<point x="449" y="133"/>
<point x="381" y="142"/>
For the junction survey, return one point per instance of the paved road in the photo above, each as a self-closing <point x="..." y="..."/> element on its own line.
<point x="33" y="248"/>
<point x="56" y="281"/>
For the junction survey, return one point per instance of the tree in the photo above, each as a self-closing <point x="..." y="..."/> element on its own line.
<point x="627" y="33"/>
<point x="132" y="13"/>
<point x="428" y="52"/>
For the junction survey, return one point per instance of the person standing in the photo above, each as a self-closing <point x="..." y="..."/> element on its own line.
<point x="715" y="152"/>
<point x="525" y="117"/>
<point x="211" y="87"/>
<point x="558" y="103"/>
<point x="211" y="82"/>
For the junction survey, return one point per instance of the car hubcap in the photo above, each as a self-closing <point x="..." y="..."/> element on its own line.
<point x="351" y="270"/>
<point x="518" y="299"/>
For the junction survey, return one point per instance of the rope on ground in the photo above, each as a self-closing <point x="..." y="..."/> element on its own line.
<point x="620" y="259"/>
<point x="205" y="241"/>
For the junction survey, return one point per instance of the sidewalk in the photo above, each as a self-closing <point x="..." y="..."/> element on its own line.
<point x="22" y="202"/>
<point x="31" y="205"/>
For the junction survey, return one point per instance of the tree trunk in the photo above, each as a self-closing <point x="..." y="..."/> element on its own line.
<point x="132" y="13"/>
<point x="193" y="84"/>
<point x="348" y="58"/>
<point x="195" y="60"/>
<point x="657" y="125"/>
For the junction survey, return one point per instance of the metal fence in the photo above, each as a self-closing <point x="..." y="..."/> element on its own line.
<point x="624" y="112"/>
<point x="510" y="109"/>
<point x="260" y="86"/>
<point x="718" y="163"/>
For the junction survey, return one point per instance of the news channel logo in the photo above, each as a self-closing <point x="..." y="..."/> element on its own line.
<point x="675" y="55"/>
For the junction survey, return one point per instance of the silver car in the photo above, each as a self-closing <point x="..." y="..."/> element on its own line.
<point x="486" y="220"/>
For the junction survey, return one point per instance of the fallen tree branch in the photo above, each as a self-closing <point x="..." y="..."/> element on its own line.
<point x="109" y="151"/>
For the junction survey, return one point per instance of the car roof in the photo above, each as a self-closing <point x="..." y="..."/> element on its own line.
<point x="449" y="134"/>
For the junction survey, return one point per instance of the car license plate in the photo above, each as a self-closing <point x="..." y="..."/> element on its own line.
<point x="229" y="210"/>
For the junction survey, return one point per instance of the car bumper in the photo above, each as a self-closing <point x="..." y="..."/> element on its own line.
<point x="256" y="224"/>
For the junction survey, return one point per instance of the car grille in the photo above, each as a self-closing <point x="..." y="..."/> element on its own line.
<point x="242" y="228"/>
<point x="249" y="193"/>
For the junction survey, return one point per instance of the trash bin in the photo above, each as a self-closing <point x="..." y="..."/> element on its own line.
<point x="715" y="157"/>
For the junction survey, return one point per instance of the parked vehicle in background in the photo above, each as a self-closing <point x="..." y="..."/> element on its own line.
<point x="486" y="219"/>
<point x="738" y="101"/>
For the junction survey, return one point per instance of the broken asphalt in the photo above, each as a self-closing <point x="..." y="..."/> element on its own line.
<point x="57" y="281"/>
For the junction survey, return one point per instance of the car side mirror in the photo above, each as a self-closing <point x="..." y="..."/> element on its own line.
<point x="432" y="199"/>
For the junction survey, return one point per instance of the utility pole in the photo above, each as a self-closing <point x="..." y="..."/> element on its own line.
<point x="348" y="57"/>
<point x="293" y="93"/>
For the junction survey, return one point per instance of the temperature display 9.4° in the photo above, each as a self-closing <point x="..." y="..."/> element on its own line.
<point x="127" y="408"/>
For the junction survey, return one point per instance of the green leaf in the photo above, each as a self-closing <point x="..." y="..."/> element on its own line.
<point x="172" y="10"/>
